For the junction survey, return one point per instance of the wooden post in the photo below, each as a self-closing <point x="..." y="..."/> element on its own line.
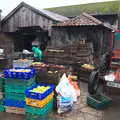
<point x="0" y="19"/>
<point x="118" y="21"/>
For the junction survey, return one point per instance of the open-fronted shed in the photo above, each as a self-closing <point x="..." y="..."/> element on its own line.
<point x="26" y="24"/>
<point x="84" y="29"/>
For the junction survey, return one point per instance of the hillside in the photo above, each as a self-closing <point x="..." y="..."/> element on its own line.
<point x="92" y="8"/>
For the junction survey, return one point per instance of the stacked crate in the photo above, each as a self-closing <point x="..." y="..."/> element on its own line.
<point x="16" y="83"/>
<point x="38" y="101"/>
<point x="1" y="92"/>
<point x="22" y="63"/>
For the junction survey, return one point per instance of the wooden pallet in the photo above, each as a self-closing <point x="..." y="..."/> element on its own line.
<point x="15" y="110"/>
<point x="1" y="95"/>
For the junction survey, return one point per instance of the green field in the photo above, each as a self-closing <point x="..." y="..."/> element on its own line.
<point x="92" y="8"/>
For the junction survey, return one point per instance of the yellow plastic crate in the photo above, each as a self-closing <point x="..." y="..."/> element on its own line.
<point x="39" y="103"/>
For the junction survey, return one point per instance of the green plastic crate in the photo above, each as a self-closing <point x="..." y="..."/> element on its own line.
<point x="2" y="109"/>
<point x="98" y="101"/>
<point x="2" y="84"/>
<point x="14" y="96"/>
<point x="1" y="102"/>
<point x="35" y="117"/>
<point x="1" y="88"/>
<point x="40" y="111"/>
<point x="15" y="89"/>
<point x="2" y="78"/>
<point x="11" y="81"/>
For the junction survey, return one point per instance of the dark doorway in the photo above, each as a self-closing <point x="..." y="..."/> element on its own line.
<point x="28" y="41"/>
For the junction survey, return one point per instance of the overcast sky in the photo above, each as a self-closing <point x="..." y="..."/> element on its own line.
<point x="7" y="5"/>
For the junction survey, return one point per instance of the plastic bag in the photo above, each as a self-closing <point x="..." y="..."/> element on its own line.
<point x="26" y="51"/>
<point x="110" y="77"/>
<point x="65" y="89"/>
<point x="64" y="104"/>
<point x="74" y="85"/>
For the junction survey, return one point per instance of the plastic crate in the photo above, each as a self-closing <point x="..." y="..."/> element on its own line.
<point x="15" y="96"/>
<point x="2" y="80"/>
<point x="14" y="103"/>
<point x="98" y="101"/>
<point x="15" y="110"/>
<point x="2" y="84"/>
<point x="1" y="102"/>
<point x="20" y="75"/>
<point x="39" y="96"/>
<point x="49" y="78"/>
<point x="39" y="103"/>
<point x="10" y="81"/>
<point x="30" y="116"/>
<point x="40" y="111"/>
<point x="22" y="64"/>
<point x="2" y="109"/>
<point x="15" y="88"/>
<point x="2" y="88"/>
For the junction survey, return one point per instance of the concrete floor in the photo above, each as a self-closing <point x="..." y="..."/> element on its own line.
<point x="80" y="111"/>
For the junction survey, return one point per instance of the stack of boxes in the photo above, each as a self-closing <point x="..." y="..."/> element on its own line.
<point x="39" y="99"/>
<point x="16" y="82"/>
<point x="1" y="92"/>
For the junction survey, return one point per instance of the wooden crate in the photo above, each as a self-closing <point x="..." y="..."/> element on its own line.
<point x="1" y="95"/>
<point x="15" y="110"/>
<point x="70" y="54"/>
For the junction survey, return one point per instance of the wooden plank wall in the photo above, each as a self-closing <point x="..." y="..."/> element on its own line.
<point x="0" y="20"/>
<point x="25" y="17"/>
<point x="98" y="36"/>
<point x="6" y="43"/>
<point x="75" y="53"/>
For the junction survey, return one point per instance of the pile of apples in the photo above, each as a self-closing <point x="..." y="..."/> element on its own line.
<point x="20" y="70"/>
<point x="23" y="60"/>
<point x="88" y="66"/>
<point x="40" y="64"/>
<point x="40" y="89"/>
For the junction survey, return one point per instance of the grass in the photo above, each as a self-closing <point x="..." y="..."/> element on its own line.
<point x="92" y="8"/>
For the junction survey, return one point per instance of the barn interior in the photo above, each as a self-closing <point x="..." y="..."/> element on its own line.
<point x="25" y="36"/>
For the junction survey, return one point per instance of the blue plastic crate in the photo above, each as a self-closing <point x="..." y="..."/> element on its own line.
<point x="39" y="96"/>
<point x="14" y="103"/>
<point x="20" y="75"/>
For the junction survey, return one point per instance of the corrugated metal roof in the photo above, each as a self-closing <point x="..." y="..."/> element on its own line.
<point x="45" y="13"/>
<point x="83" y="20"/>
<point x="55" y="16"/>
